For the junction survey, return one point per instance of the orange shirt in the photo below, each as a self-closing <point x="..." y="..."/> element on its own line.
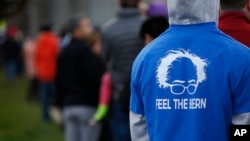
<point x="47" y="48"/>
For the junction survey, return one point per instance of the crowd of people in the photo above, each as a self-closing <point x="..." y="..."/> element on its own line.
<point x="86" y="73"/>
<point x="82" y="72"/>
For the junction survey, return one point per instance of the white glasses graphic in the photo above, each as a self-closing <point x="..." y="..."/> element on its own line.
<point x="179" y="88"/>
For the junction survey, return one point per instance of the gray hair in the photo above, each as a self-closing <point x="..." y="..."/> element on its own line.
<point x="74" y="22"/>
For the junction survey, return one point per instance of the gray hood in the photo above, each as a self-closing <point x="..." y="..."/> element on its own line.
<point x="184" y="12"/>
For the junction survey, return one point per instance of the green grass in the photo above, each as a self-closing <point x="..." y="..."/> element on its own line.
<point x="20" y="120"/>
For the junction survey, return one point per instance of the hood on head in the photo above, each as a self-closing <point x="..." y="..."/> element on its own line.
<point x="182" y="12"/>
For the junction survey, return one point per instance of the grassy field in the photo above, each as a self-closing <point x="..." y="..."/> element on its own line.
<point x="20" y="120"/>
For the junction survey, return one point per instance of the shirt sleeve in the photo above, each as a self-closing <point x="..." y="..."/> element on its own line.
<point x="106" y="89"/>
<point x="138" y="127"/>
<point x="136" y="102"/>
<point x="241" y="96"/>
<point x="241" y="119"/>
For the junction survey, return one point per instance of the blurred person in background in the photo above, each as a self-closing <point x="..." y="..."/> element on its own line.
<point x="29" y="46"/>
<point x="156" y="22"/>
<point x="65" y="36"/>
<point x="19" y="37"/>
<point x="143" y="8"/>
<point x="191" y="61"/>
<point x="11" y="54"/>
<point x="102" y="112"/>
<point x="94" y="41"/>
<point x="153" y="27"/>
<point x="235" y="20"/>
<point x="46" y="52"/>
<point x="157" y="8"/>
<point x="77" y="83"/>
<point x="3" y="29"/>
<point x="120" y="45"/>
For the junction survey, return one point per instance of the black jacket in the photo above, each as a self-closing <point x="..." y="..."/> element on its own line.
<point x="79" y="75"/>
<point x="11" y="50"/>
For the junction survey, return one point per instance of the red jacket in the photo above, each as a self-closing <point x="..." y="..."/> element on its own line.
<point x="46" y="52"/>
<point x="237" y="25"/>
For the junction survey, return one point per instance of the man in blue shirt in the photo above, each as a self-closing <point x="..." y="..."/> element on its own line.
<point x="192" y="82"/>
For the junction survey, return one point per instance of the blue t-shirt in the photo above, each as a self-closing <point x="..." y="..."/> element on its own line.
<point x="189" y="82"/>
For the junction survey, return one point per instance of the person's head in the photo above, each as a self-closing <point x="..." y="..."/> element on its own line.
<point x="11" y="31"/>
<point x="236" y="4"/>
<point x="233" y="4"/>
<point x="80" y="27"/>
<point x="185" y="12"/>
<point x="152" y="28"/>
<point x="143" y="7"/>
<point x="129" y="3"/>
<point x="157" y="8"/>
<point x="46" y="27"/>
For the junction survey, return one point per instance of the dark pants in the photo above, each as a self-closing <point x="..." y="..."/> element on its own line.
<point x="33" y="90"/>
<point x="105" y="131"/>
<point x="10" y="70"/>
<point x="46" y="93"/>
<point x="119" y="122"/>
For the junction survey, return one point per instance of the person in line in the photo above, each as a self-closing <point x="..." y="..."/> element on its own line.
<point x="11" y="53"/>
<point x="152" y="28"/>
<point x="78" y="82"/>
<point x="121" y="44"/>
<point x="65" y="36"/>
<point x="186" y="85"/>
<point x="235" y="19"/>
<point x="143" y="8"/>
<point x="102" y="111"/>
<point x="28" y="51"/>
<point x="46" y="53"/>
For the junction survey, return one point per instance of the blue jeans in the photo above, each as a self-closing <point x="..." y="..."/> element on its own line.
<point x="119" y="122"/>
<point x="46" y="93"/>
<point x="10" y="70"/>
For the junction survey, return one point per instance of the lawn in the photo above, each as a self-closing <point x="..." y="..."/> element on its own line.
<point x="20" y="120"/>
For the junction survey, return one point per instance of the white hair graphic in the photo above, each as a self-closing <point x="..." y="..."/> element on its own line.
<point x="173" y="55"/>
